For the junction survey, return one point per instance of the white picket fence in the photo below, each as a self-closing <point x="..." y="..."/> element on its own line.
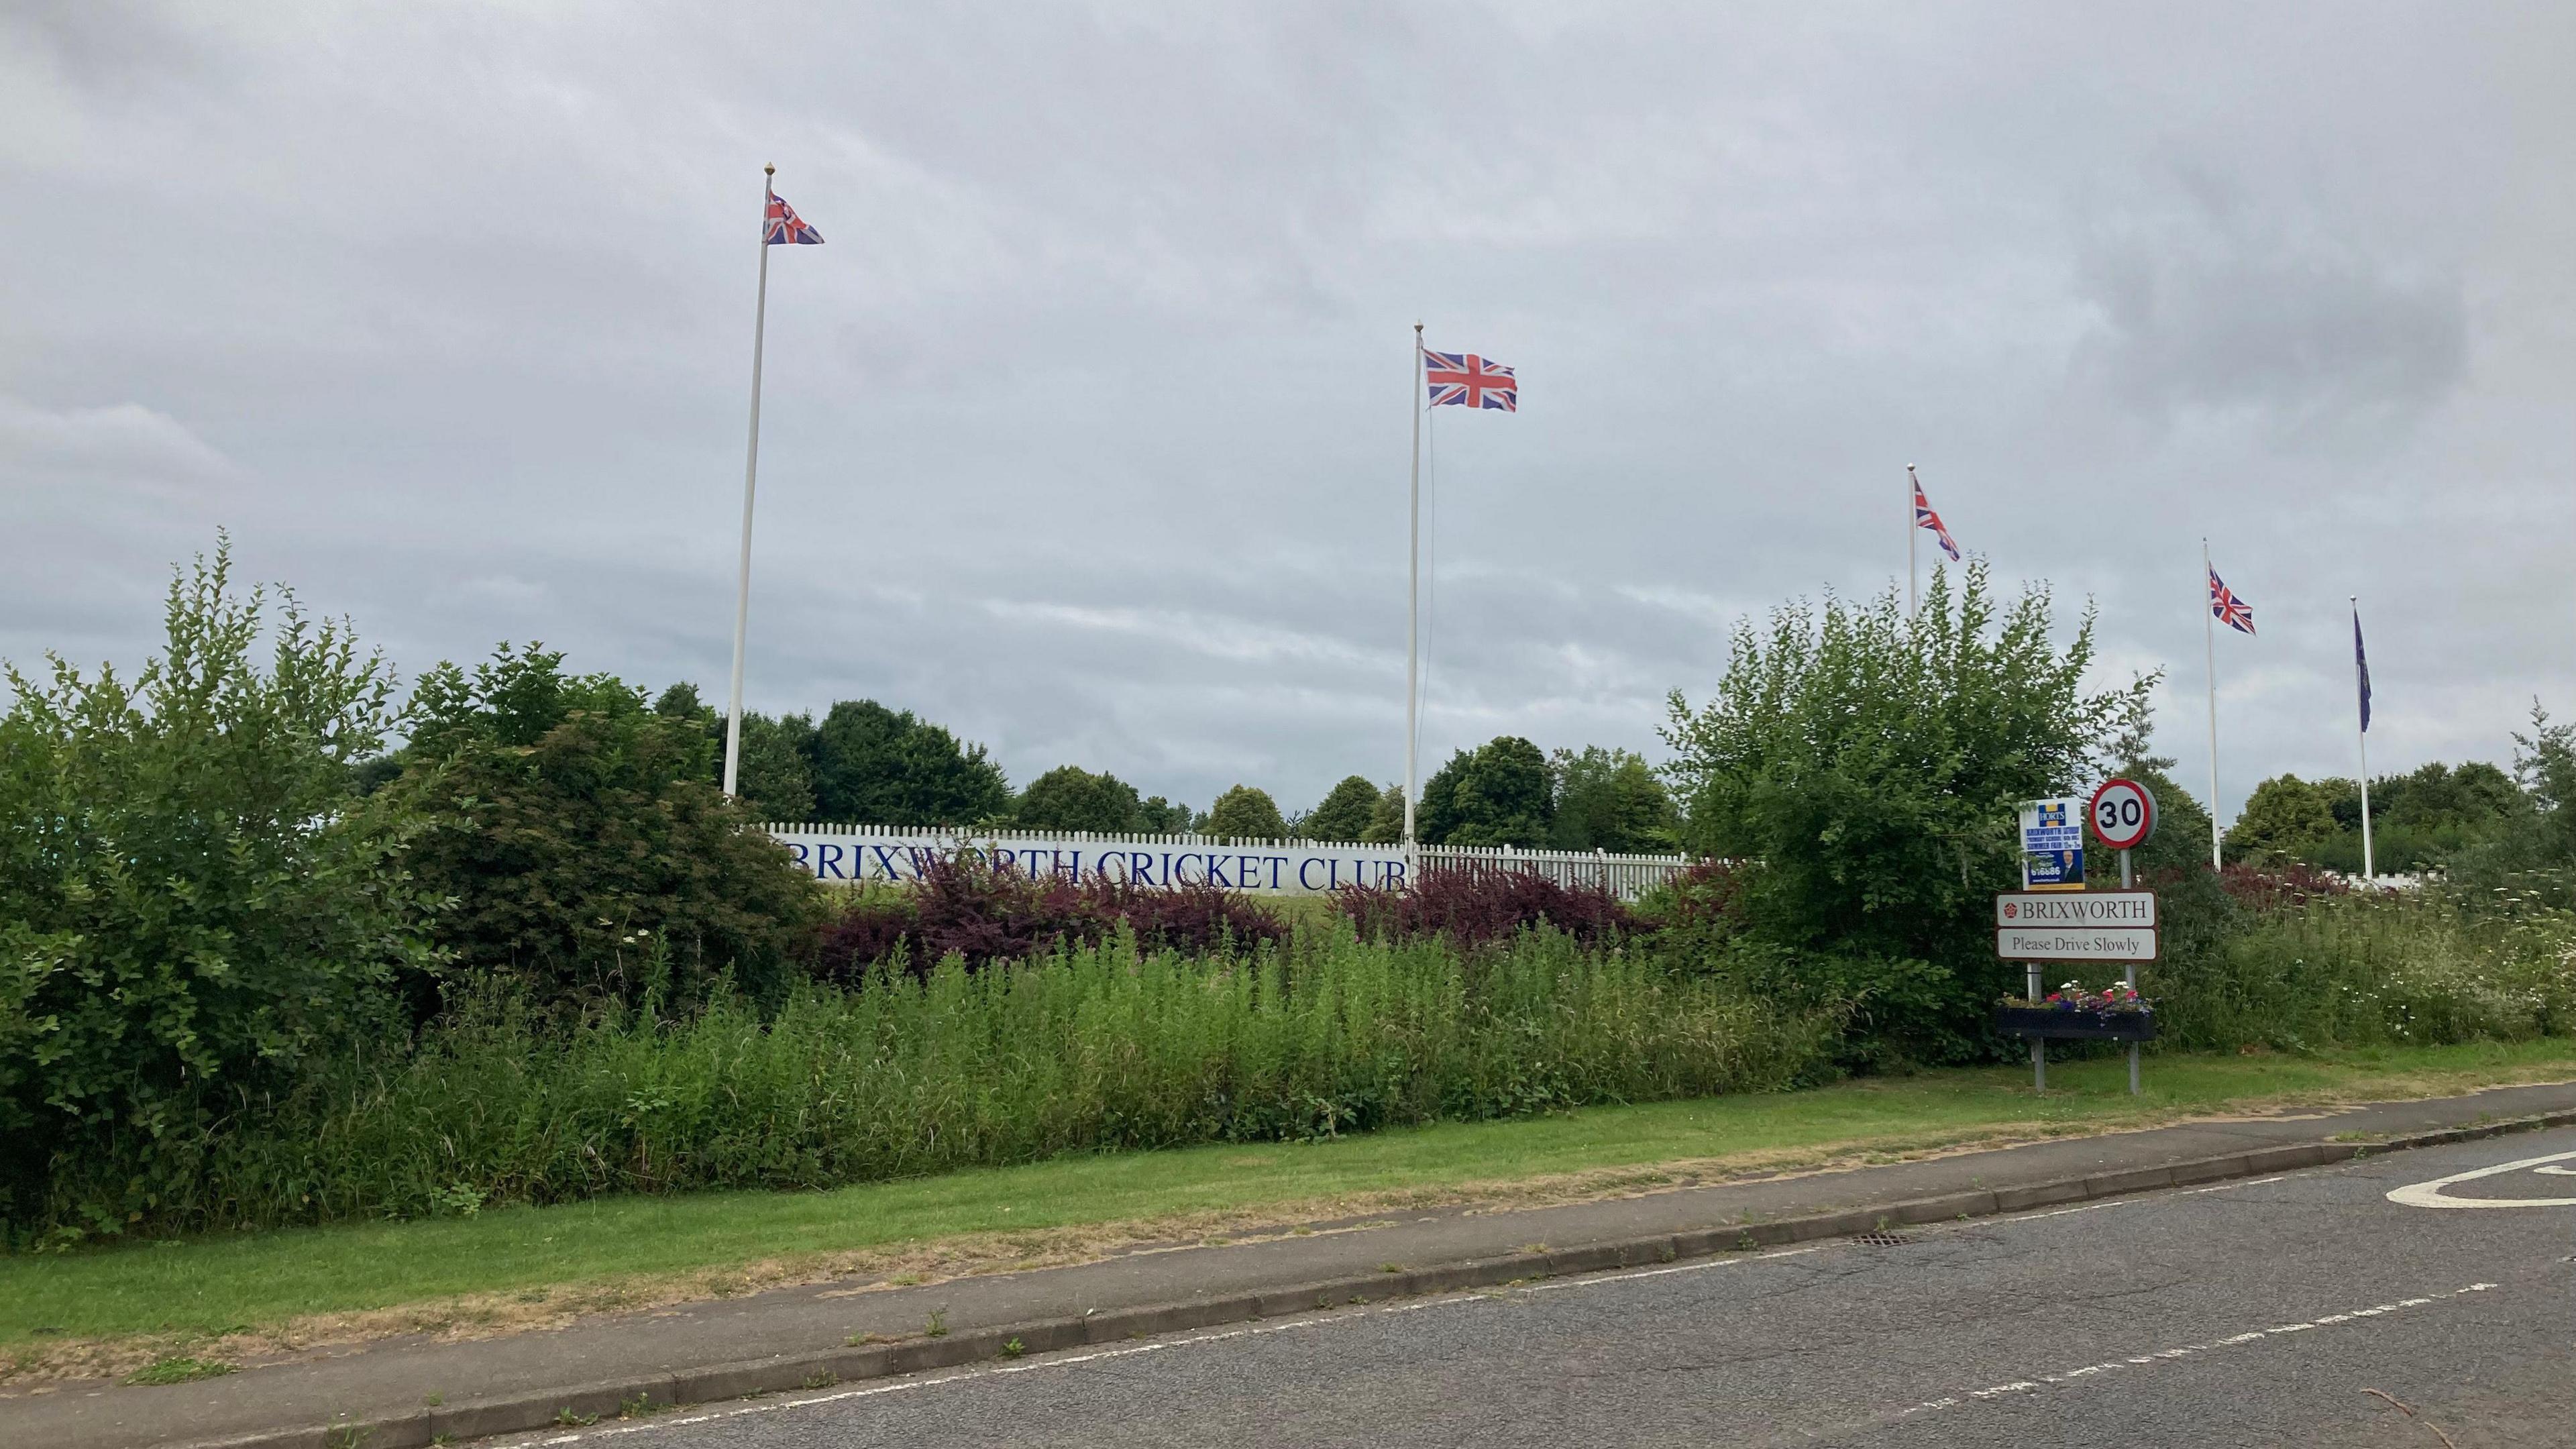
<point x="1263" y="867"/>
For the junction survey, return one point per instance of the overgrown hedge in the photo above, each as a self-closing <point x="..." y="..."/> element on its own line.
<point x="1093" y="1047"/>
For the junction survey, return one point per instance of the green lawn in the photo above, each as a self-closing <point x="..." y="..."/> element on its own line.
<point x="637" y="1249"/>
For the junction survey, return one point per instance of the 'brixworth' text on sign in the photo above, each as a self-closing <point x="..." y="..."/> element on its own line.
<point x="2075" y="908"/>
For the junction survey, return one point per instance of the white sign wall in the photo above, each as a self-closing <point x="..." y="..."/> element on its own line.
<point x="1256" y="867"/>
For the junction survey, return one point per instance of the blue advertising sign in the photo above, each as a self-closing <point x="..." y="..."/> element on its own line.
<point x="2052" y="845"/>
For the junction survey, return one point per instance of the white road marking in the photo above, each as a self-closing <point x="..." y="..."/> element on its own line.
<point x="2229" y="1186"/>
<point x="2430" y="1194"/>
<point x="2188" y="1350"/>
<point x="1589" y="1279"/>
<point x="1320" y="1319"/>
<point x="1328" y="1317"/>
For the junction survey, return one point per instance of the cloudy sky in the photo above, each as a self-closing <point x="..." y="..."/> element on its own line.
<point x="1086" y="431"/>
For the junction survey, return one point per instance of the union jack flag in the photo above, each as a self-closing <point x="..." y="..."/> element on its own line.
<point x="1924" y="517"/>
<point x="1467" y="380"/>
<point x="2228" y="609"/>
<point x="785" y="227"/>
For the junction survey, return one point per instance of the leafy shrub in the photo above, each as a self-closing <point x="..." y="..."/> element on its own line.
<point x="568" y="825"/>
<point x="1708" y="895"/>
<point x="980" y="914"/>
<point x="193" y="898"/>
<point x="1090" y="1049"/>
<point x="1868" y="762"/>
<point x="1479" y="905"/>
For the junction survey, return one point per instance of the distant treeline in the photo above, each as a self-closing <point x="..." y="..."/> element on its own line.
<point x="2437" y="817"/>
<point x="862" y="763"/>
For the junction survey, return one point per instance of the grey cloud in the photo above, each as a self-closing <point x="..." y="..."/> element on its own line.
<point x="2214" y="303"/>
<point x="1084" y="431"/>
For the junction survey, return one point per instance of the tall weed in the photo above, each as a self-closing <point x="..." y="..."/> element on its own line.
<point x="1090" y="1048"/>
<point x="2364" y="969"/>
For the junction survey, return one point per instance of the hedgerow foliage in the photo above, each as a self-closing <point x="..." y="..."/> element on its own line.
<point x="1866" y="766"/>
<point x="1477" y="907"/>
<point x="981" y="914"/>
<point x="193" y="901"/>
<point x="1088" y="1049"/>
<point x="565" y="823"/>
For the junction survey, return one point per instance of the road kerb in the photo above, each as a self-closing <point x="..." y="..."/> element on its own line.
<point x="792" y="1372"/>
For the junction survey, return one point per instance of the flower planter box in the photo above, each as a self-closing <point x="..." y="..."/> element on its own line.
<point x="2045" y="1021"/>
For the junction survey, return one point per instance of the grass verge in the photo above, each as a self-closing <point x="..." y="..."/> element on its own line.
<point x="234" y="1297"/>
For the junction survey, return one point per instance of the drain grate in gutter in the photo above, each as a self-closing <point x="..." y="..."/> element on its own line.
<point x="1882" y="1239"/>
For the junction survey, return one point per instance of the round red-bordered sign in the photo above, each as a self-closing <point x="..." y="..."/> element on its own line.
<point x="2124" y="814"/>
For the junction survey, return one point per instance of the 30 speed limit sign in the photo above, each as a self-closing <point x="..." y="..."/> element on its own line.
<point x="2124" y="814"/>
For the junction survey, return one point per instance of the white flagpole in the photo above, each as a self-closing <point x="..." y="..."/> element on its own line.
<point x="1913" y="486"/>
<point x="1412" y="603"/>
<point x="2361" y="736"/>
<point x="750" y="479"/>
<point x="2209" y="644"/>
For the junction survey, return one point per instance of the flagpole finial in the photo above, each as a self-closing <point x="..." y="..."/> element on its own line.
<point x="768" y="170"/>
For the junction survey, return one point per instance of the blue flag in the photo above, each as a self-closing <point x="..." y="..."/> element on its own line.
<point x="2361" y="670"/>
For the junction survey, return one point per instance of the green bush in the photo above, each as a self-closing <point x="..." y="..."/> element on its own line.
<point x="1096" y="1049"/>
<point x="566" y="824"/>
<point x="194" y="900"/>
<point x="1866" y="766"/>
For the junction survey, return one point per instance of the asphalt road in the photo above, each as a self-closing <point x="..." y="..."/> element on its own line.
<point x="2255" y="1313"/>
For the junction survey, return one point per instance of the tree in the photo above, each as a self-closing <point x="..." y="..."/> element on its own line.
<point x="1496" y="794"/>
<point x="1610" y="800"/>
<point x="1345" y="811"/>
<point x="582" y="848"/>
<point x="1162" y="817"/>
<point x="2474" y="796"/>
<point x="1386" y="818"/>
<point x="1246" y="812"/>
<point x="877" y="766"/>
<point x="1865" y="766"/>
<point x="2546" y="761"/>
<point x="776" y="774"/>
<point x="1071" y="798"/>
<point x="1504" y="798"/>
<point x="2284" y="818"/>
<point x="1437" y="814"/>
<point x="193" y="897"/>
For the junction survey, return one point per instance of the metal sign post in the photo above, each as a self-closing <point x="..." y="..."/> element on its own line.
<point x="2036" y="925"/>
<point x="2038" y="1044"/>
